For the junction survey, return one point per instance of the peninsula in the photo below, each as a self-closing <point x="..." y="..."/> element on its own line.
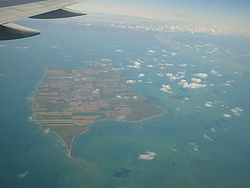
<point x="68" y="101"/>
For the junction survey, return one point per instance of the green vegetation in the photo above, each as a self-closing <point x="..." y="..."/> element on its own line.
<point x="143" y="109"/>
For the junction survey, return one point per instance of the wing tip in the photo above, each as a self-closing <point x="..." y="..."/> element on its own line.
<point x="11" y="31"/>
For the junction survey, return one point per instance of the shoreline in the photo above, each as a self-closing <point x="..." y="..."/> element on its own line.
<point x="69" y="149"/>
<point x="72" y="140"/>
<point x="147" y="118"/>
<point x="68" y="143"/>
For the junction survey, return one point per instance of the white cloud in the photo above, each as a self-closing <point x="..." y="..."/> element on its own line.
<point x="210" y="139"/>
<point x="183" y="65"/>
<point x="135" y="97"/>
<point x="195" y="146"/>
<point x="88" y="24"/>
<point x="160" y="74"/>
<point x="212" y="130"/>
<point x="193" y="85"/>
<point x="118" y="96"/>
<point x="96" y="91"/>
<point x="106" y="60"/>
<point x="119" y="51"/>
<point x="228" y="83"/>
<point x="208" y="104"/>
<point x="52" y="46"/>
<point x="150" y="66"/>
<point x="174" y="77"/>
<point x="201" y="75"/>
<point x="214" y="50"/>
<point x="147" y="156"/>
<point x="151" y="51"/>
<point x="136" y="65"/>
<point x="197" y="80"/>
<point x="169" y="64"/>
<point x="141" y="75"/>
<point x="24" y="174"/>
<point x="173" y="53"/>
<point x="182" y="73"/>
<point x="215" y="73"/>
<point x="130" y="81"/>
<point x="237" y="111"/>
<point x="169" y="74"/>
<point x="238" y="73"/>
<point x="173" y="149"/>
<point x="227" y="115"/>
<point x="166" y="88"/>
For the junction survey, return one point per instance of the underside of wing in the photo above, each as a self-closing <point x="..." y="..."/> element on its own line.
<point x="39" y="9"/>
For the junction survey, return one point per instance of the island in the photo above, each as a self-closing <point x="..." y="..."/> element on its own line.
<point x="68" y="101"/>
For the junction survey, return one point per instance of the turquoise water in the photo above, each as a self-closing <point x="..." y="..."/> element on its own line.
<point x="184" y="156"/>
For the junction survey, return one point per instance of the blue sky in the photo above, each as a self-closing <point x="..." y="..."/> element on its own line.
<point x="229" y="13"/>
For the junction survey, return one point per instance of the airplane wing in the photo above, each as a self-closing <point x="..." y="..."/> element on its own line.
<point x="11" y="10"/>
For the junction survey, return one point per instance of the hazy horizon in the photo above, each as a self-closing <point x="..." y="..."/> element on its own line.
<point x="226" y="13"/>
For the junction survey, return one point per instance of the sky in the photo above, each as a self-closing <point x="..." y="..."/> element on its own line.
<point x="233" y="14"/>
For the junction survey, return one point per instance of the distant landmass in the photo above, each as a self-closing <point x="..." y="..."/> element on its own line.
<point x="68" y="101"/>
